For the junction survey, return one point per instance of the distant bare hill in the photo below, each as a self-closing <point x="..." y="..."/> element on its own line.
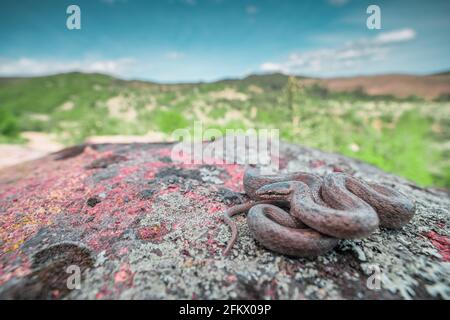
<point x="399" y="85"/>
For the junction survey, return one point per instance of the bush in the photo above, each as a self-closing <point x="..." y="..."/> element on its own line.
<point x="169" y="121"/>
<point x="9" y="125"/>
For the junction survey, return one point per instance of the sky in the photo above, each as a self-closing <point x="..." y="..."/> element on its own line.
<point x="206" y="40"/>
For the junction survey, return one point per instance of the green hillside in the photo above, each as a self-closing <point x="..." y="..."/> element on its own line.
<point x="409" y="137"/>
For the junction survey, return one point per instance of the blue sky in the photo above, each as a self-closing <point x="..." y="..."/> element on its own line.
<point x="192" y="40"/>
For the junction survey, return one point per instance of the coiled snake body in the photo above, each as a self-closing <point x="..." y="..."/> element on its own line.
<point x="322" y="210"/>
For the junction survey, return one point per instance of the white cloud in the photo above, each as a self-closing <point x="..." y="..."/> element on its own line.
<point x="271" y="67"/>
<point x="351" y="55"/>
<point x="338" y="3"/>
<point x="174" y="55"/>
<point x="35" y="67"/>
<point x="251" y="9"/>
<point x="396" y="36"/>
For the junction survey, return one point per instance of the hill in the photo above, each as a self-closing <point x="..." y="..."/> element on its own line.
<point x="397" y="85"/>
<point x="397" y="122"/>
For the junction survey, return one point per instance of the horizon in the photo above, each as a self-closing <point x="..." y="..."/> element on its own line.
<point x="238" y="78"/>
<point x="189" y="41"/>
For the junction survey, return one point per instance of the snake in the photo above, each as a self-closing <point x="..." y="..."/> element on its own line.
<point x="301" y="214"/>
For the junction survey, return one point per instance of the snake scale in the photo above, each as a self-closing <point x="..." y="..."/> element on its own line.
<point x="319" y="211"/>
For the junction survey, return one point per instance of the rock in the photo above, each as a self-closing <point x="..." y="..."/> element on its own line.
<point x="139" y="225"/>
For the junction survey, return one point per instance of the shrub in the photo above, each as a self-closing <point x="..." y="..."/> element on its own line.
<point x="9" y="125"/>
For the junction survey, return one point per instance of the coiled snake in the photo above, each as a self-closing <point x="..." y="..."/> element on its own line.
<point x="322" y="210"/>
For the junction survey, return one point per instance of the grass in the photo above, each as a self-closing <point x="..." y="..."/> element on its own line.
<point x="408" y="137"/>
<point x="404" y="150"/>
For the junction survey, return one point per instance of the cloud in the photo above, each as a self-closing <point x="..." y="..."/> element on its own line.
<point x="36" y="67"/>
<point x="396" y="36"/>
<point x="251" y="9"/>
<point x="338" y="3"/>
<point x="174" y="55"/>
<point x="272" y="67"/>
<point x="352" y="54"/>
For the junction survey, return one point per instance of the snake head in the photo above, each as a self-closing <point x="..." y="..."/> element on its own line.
<point x="275" y="191"/>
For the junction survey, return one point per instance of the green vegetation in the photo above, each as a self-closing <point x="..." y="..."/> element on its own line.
<point x="9" y="127"/>
<point x="409" y="137"/>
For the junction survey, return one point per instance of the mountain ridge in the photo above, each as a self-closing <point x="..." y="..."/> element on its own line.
<point x="396" y="84"/>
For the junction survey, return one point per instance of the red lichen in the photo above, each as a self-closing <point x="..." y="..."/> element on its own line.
<point x="338" y="169"/>
<point x="235" y="174"/>
<point x="124" y="275"/>
<point x="441" y="243"/>
<point x="317" y="163"/>
<point x="153" y="233"/>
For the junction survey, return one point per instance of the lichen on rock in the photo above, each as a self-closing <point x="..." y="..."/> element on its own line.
<point x="153" y="229"/>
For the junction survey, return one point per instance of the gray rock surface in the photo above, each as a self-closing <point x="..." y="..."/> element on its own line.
<point x="141" y="226"/>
